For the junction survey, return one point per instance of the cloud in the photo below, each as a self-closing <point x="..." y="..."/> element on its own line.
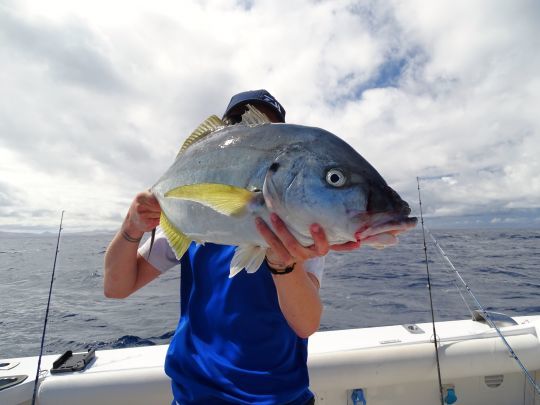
<point x="98" y="96"/>
<point x="70" y="52"/>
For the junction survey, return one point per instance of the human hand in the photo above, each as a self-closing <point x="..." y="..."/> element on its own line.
<point x="345" y="247"/>
<point x="143" y="215"/>
<point x="284" y="250"/>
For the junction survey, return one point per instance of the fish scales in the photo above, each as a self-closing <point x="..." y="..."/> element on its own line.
<point x="236" y="155"/>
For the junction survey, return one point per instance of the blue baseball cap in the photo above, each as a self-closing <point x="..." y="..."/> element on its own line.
<point x="258" y="98"/>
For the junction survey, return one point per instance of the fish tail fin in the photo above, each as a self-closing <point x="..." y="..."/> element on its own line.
<point x="249" y="257"/>
<point x="176" y="238"/>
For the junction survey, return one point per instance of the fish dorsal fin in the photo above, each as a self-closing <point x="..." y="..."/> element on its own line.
<point x="223" y="198"/>
<point x="176" y="238"/>
<point x="211" y="124"/>
<point x="253" y="117"/>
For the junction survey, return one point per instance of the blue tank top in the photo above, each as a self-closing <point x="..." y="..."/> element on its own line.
<point x="232" y="344"/>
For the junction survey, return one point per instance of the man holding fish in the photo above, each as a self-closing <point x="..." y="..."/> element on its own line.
<point x="249" y="192"/>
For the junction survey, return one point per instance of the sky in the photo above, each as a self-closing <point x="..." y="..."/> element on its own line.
<point x="97" y="97"/>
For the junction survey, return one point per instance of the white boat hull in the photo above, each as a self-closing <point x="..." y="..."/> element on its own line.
<point x="390" y="364"/>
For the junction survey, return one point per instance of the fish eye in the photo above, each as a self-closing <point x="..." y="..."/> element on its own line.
<point x="335" y="178"/>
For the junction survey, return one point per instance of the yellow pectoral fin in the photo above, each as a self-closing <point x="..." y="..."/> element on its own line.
<point x="223" y="198"/>
<point x="177" y="240"/>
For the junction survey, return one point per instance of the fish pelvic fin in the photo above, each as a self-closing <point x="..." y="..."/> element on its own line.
<point x="210" y="125"/>
<point x="225" y="199"/>
<point x="177" y="240"/>
<point x="253" y="117"/>
<point x="249" y="257"/>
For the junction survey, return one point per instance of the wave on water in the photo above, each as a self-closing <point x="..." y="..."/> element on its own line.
<point x="364" y="288"/>
<point x="131" y="341"/>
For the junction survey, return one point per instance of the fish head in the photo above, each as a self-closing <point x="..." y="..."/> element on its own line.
<point x="329" y="183"/>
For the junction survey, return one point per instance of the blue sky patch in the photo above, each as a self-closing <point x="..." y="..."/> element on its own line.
<point x="387" y="75"/>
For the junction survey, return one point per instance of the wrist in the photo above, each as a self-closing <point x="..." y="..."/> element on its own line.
<point x="130" y="231"/>
<point x="130" y="238"/>
<point x="279" y="269"/>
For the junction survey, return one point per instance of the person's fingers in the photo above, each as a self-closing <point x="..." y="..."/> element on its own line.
<point x="144" y="213"/>
<point x="321" y="245"/>
<point x="345" y="247"/>
<point x="152" y="223"/>
<point x="152" y="202"/>
<point x="285" y="248"/>
<point x="147" y="200"/>
<point x="277" y="253"/>
<point x="294" y="248"/>
<point x="153" y="215"/>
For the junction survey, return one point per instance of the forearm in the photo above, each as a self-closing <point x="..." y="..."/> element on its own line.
<point x="299" y="301"/>
<point x="125" y="271"/>
<point x="120" y="275"/>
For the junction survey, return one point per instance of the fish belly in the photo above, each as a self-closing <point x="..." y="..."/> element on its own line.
<point x="203" y="224"/>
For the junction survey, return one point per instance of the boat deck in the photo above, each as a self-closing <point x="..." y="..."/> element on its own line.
<point x="390" y="364"/>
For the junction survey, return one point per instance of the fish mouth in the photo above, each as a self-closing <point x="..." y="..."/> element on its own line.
<point x="381" y="229"/>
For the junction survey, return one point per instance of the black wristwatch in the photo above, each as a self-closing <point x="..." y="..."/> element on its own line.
<point x="286" y="270"/>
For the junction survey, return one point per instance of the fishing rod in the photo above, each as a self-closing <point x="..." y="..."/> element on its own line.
<point x="430" y="297"/>
<point x="485" y="313"/>
<point x="47" y="312"/>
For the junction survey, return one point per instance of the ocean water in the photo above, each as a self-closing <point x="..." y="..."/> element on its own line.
<point x="364" y="288"/>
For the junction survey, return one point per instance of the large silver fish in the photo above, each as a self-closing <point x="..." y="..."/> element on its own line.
<point x="225" y="176"/>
